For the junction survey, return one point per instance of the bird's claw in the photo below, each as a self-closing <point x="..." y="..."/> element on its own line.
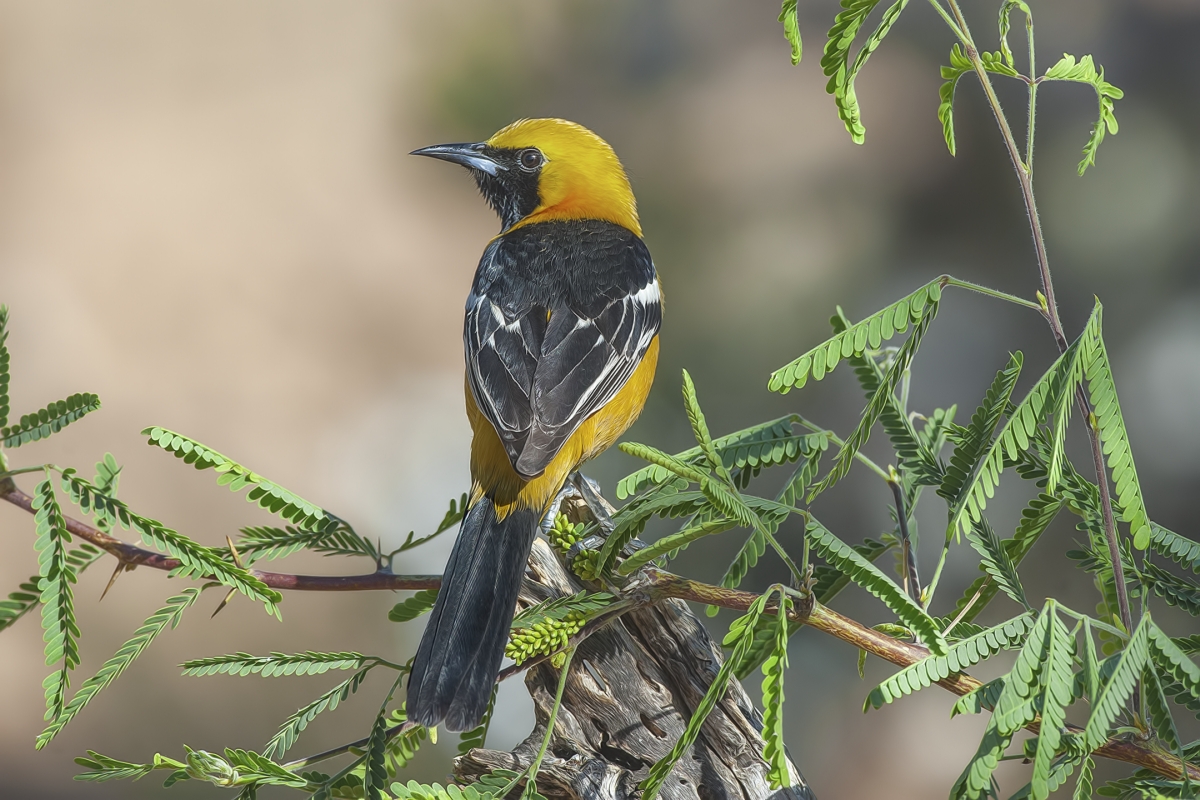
<point x="593" y="542"/>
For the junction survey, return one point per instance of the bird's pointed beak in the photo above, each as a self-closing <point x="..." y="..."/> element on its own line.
<point x="471" y="156"/>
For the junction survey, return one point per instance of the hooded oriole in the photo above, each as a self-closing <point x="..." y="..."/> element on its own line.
<point x="561" y="338"/>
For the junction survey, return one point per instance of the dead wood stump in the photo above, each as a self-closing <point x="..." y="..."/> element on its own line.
<point x="631" y="688"/>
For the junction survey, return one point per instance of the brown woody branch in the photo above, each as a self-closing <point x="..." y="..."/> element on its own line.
<point x="656" y="585"/>
<point x="133" y="556"/>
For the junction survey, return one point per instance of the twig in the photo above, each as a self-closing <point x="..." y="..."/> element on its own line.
<point x="133" y="556"/>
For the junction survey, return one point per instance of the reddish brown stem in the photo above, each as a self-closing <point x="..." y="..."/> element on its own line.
<point x="134" y="556"/>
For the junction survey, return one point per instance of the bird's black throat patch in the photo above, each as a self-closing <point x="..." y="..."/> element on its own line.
<point x="512" y="191"/>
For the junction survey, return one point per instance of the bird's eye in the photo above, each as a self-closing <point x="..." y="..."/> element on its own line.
<point x="531" y="159"/>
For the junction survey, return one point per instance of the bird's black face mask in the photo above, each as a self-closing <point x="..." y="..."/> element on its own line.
<point x="508" y="178"/>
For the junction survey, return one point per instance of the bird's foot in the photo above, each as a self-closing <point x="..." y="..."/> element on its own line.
<point x="581" y="553"/>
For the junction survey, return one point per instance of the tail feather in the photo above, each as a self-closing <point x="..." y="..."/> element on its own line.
<point x="460" y="652"/>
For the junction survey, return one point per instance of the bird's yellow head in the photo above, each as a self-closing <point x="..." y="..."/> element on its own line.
<point x="538" y="170"/>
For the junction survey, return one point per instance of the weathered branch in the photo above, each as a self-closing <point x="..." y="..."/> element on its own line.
<point x="631" y="689"/>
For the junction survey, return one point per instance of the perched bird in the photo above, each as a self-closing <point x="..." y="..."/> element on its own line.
<point x="561" y="339"/>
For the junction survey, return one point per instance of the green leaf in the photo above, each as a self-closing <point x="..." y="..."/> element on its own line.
<point x="631" y="520"/>
<point x="56" y="576"/>
<point x="828" y="581"/>
<point x="879" y="401"/>
<point x="756" y="543"/>
<point x="233" y="768"/>
<point x="1036" y="517"/>
<point x="1016" y="706"/>
<point x="27" y="596"/>
<point x="691" y="404"/>
<point x="1173" y="664"/>
<point x="166" y="617"/>
<point x="416" y="791"/>
<point x="836" y="60"/>
<point x="1090" y="675"/>
<point x="996" y="562"/>
<point x="867" y="334"/>
<point x="676" y="541"/>
<point x="867" y="575"/>
<point x="740" y="636"/>
<point x="402" y="747"/>
<point x="414" y="606"/>
<point x="1083" y="787"/>
<point x="102" y="768"/>
<point x="19" y="603"/>
<point x="558" y="608"/>
<point x="268" y="543"/>
<point x="4" y="366"/>
<point x="1111" y="425"/>
<point x="1159" y="711"/>
<point x="49" y="420"/>
<point x="672" y="464"/>
<point x="1190" y="645"/>
<point x="454" y="516"/>
<point x="376" y="775"/>
<point x="971" y="442"/>
<point x="774" y="748"/>
<point x="294" y="725"/>
<point x="195" y="559"/>
<point x="1055" y="692"/>
<point x="959" y="65"/>
<point x="1062" y="378"/>
<point x="1085" y="71"/>
<point x="106" y="481"/>
<point x="1183" y="551"/>
<point x="1006" y="22"/>
<point x="791" y="29"/>
<point x="1174" y="589"/>
<point x="915" y="454"/>
<point x="961" y="655"/>
<point x="762" y="445"/>
<point x="267" y="494"/>
<point x="546" y="628"/>
<point x="979" y="699"/>
<point x="275" y="664"/>
<point x="1120" y="686"/>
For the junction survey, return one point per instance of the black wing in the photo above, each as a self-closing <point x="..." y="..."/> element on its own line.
<point x="560" y="315"/>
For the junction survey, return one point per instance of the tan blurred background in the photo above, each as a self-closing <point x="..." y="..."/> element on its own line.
<point x="208" y="218"/>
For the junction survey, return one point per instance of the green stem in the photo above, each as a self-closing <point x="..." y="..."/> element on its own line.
<point x="1025" y="178"/>
<point x="23" y="470"/>
<point x="1011" y="298"/>
<point x="937" y="573"/>
<point x="1033" y="84"/>
<point x="1093" y="622"/>
<point x="797" y="573"/>
<point x="833" y="437"/>
<point x="948" y="20"/>
<point x="533" y="768"/>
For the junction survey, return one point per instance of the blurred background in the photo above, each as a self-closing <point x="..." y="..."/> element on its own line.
<point x="208" y="217"/>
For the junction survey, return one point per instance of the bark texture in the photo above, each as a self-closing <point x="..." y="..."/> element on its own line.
<point x="629" y="694"/>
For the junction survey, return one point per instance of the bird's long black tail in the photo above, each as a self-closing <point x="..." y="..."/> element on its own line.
<point x="460" y="652"/>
